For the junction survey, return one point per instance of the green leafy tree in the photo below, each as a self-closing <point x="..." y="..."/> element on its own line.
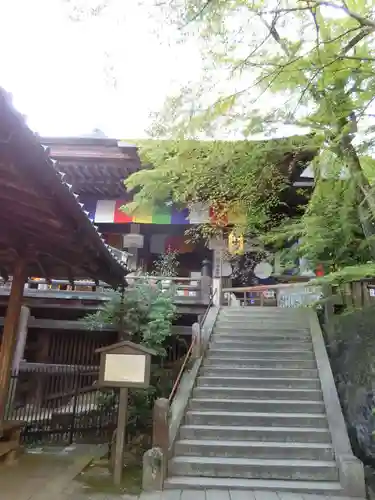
<point x="245" y="178"/>
<point x="269" y="66"/>
<point x="144" y="312"/>
<point x="167" y="264"/>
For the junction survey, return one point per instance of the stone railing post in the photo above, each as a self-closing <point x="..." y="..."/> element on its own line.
<point x="196" y="336"/>
<point x="160" y="424"/>
<point x="155" y="460"/>
<point x="206" y="282"/>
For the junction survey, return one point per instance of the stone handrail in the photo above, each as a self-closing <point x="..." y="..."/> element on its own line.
<point x="350" y="468"/>
<point x="168" y="413"/>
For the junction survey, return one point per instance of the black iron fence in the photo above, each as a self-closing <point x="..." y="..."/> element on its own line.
<point x="61" y="404"/>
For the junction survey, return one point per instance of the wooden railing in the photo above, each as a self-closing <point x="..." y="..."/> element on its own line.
<point x="185" y="288"/>
<point x="354" y="294"/>
<point x="331" y="299"/>
<point x="280" y="295"/>
<point x="189" y="290"/>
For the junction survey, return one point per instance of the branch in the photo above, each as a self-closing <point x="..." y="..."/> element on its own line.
<point x="358" y="58"/>
<point x="252" y="53"/>
<point x="354" y="41"/>
<point x="363" y="21"/>
<point x="198" y="14"/>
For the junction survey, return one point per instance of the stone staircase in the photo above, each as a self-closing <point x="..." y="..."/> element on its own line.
<point x="256" y="418"/>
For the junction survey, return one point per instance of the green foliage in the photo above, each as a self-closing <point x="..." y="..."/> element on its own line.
<point x="349" y="274"/>
<point x="329" y="232"/>
<point x="241" y="177"/>
<point x="167" y="264"/>
<point x="146" y="314"/>
<point x="268" y="66"/>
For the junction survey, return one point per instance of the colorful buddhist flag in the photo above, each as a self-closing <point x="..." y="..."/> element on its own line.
<point x="114" y="211"/>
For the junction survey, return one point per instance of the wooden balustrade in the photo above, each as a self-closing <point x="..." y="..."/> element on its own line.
<point x="355" y="294"/>
<point x="189" y="290"/>
<point x="281" y="295"/>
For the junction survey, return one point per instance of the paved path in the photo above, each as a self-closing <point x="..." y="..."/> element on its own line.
<point x="39" y="476"/>
<point x="51" y="477"/>
<point x="199" y="495"/>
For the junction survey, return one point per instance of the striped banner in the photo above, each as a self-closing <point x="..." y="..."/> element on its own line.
<point x="109" y="211"/>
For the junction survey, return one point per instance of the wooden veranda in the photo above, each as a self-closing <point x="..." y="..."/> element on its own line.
<point x="43" y="229"/>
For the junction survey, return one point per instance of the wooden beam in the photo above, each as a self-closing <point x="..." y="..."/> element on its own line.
<point x="9" y="338"/>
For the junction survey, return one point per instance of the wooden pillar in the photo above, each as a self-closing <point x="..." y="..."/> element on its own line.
<point x="19" y="351"/>
<point x="9" y="339"/>
<point x="133" y="250"/>
<point x="21" y="338"/>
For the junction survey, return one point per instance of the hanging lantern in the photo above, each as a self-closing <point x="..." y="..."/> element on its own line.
<point x="319" y="270"/>
<point x="236" y="244"/>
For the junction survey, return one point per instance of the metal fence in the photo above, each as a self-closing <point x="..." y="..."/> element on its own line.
<point x="61" y="404"/>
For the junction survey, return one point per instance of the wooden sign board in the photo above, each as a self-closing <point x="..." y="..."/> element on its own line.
<point x="125" y="364"/>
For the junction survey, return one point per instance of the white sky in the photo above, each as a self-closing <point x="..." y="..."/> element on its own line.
<point x="107" y="72"/>
<point x="61" y="74"/>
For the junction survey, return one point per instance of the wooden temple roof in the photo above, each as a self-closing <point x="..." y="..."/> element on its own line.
<point x="41" y="218"/>
<point x="94" y="166"/>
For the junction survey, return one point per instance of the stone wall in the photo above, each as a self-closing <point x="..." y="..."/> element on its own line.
<point x="351" y="344"/>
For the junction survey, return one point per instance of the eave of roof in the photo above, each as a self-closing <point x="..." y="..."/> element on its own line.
<point x="37" y="174"/>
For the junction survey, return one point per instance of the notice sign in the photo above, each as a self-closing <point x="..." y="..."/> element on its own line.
<point x="122" y="368"/>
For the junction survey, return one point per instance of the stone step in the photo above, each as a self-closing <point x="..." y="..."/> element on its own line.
<point x="257" y="362"/>
<point x="230" y="371"/>
<point x="250" y="382"/>
<point x="250" y="312"/>
<point x="261" y="309"/>
<point x="263" y="434"/>
<point x="253" y="449"/>
<point x="274" y="309"/>
<point x="259" y="353"/>
<point x="256" y="419"/>
<point x="258" y="405"/>
<point x="283" y="318"/>
<point x="229" y="334"/>
<point x="331" y="488"/>
<point x="300" y="470"/>
<point x="280" y="345"/>
<point x="208" y="392"/>
<point x="266" y="324"/>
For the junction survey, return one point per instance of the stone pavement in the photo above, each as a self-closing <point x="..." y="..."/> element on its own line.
<point x="199" y="495"/>
<point x="41" y="476"/>
<point x="50" y="476"/>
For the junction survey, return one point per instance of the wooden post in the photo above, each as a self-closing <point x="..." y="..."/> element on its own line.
<point x="19" y="351"/>
<point x="120" y="436"/>
<point x="10" y="332"/>
<point x="133" y="258"/>
<point x="329" y="307"/>
<point x="357" y="294"/>
<point x="366" y="294"/>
